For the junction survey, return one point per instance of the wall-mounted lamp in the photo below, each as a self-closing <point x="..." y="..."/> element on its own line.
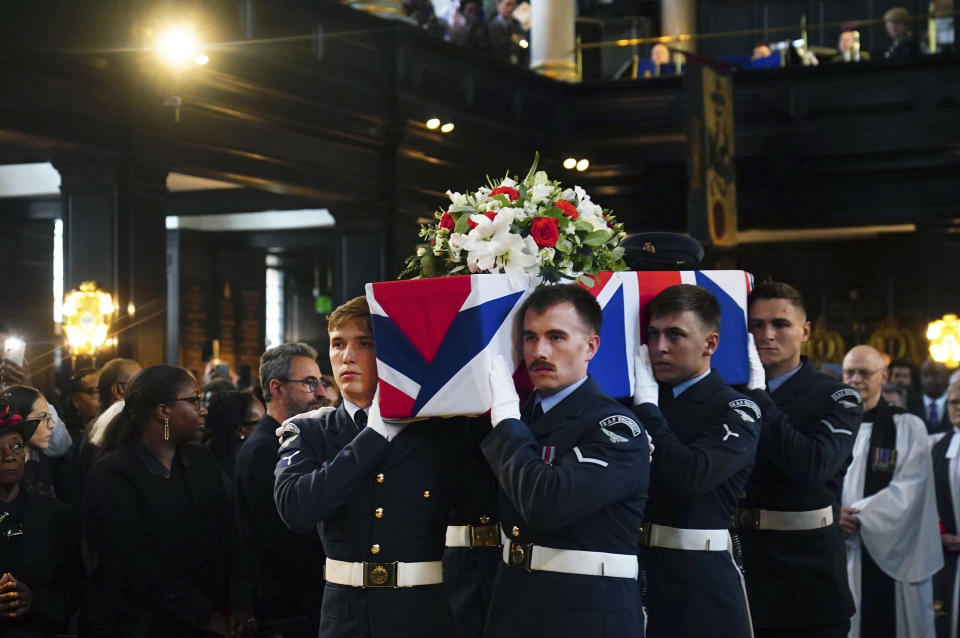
<point x="87" y="314"/>
<point x="944" y="337"/>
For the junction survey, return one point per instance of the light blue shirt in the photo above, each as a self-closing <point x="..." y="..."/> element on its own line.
<point x="680" y="387"/>
<point x="553" y="399"/>
<point x="776" y="382"/>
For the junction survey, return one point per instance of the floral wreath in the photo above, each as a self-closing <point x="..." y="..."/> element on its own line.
<point x="534" y="230"/>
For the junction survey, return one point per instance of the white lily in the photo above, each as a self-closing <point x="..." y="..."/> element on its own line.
<point x="541" y="192"/>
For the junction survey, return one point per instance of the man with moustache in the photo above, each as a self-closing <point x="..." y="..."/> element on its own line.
<point x="793" y="550"/>
<point x="889" y="512"/>
<point x="377" y="492"/>
<point x="572" y="465"/>
<point x="289" y="566"/>
<point x="704" y="437"/>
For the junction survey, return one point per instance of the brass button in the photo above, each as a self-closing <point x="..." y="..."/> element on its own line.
<point x="379" y="478"/>
<point x="484" y="520"/>
<point x="375" y="549"/>
<point x="426" y="494"/>
<point x="516" y="531"/>
<point x="379" y="512"/>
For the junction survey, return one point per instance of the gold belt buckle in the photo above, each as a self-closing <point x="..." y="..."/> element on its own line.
<point x="643" y="540"/>
<point x="484" y="536"/>
<point x="380" y="574"/>
<point x="520" y="555"/>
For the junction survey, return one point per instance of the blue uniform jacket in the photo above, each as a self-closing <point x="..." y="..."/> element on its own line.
<point x="574" y="479"/>
<point x="704" y="442"/>
<point x="375" y="501"/>
<point x="799" y="578"/>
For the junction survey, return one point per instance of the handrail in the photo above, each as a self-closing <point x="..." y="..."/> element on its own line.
<point x="688" y="37"/>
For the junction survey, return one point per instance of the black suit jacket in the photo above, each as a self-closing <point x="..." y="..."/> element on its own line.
<point x="289" y="566"/>
<point x="47" y="559"/>
<point x="916" y="405"/>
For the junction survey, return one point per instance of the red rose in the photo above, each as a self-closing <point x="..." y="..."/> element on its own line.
<point x="512" y="193"/>
<point x="545" y="231"/>
<point x="446" y="221"/>
<point x="569" y="210"/>
<point x="489" y="214"/>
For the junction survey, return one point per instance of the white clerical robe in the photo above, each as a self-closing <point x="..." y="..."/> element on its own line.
<point x="953" y="453"/>
<point x="899" y="526"/>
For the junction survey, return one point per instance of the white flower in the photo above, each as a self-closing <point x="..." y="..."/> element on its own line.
<point x="541" y="193"/>
<point x="586" y="208"/>
<point x="421" y="251"/>
<point x="455" y="243"/>
<point x="457" y="198"/>
<point x="568" y="194"/>
<point x="483" y="193"/>
<point x="517" y="212"/>
<point x="508" y="182"/>
<point x="486" y="228"/>
<point x="581" y="194"/>
<point x="598" y="223"/>
<point x="540" y="177"/>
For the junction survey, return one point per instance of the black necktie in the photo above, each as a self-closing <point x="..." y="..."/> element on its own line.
<point x="537" y="412"/>
<point x="360" y="418"/>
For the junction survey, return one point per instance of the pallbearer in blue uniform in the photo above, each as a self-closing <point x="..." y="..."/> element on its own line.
<point x="473" y="538"/>
<point x="704" y="437"/>
<point x="793" y="550"/>
<point x="573" y="482"/>
<point x="379" y="494"/>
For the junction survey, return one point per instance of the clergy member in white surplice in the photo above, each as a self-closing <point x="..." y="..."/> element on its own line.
<point x="946" y="474"/>
<point x="889" y="512"/>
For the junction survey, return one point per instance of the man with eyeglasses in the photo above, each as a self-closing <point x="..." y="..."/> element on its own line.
<point x="289" y="565"/>
<point x="889" y="512"/>
<point x="793" y="549"/>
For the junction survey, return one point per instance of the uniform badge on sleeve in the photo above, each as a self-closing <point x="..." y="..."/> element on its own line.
<point x="840" y="397"/>
<point x="610" y="421"/>
<point x="613" y="436"/>
<point x="749" y="405"/>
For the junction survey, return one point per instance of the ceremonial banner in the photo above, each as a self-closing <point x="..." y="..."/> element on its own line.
<point x="436" y="337"/>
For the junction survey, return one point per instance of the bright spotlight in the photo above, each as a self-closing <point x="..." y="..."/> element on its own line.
<point x="583" y="165"/>
<point x="433" y="123"/>
<point x="446" y="128"/>
<point x="177" y="46"/>
<point x="201" y="59"/>
<point x="523" y="44"/>
<point x="569" y="163"/>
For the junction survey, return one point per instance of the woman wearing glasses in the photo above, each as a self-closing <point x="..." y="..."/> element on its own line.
<point x="231" y="418"/>
<point x="39" y="545"/>
<point x="158" y="521"/>
<point x="31" y="405"/>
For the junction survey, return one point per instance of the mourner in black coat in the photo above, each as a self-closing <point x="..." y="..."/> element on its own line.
<point x="40" y="568"/>
<point x="159" y="524"/>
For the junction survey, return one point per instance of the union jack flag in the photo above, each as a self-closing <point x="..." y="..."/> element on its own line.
<point x="436" y="338"/>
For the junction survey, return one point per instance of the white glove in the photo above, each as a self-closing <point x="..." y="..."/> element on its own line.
<point x="387" y="428"/>
<point x="645" y="388"/>
<point x="504" y="402"/>
<point x="758" y="378"/>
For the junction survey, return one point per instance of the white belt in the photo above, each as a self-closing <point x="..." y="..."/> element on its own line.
<point x="393" y="574"/>
<point x="710" y="540"/>
<point x="472" y="535"/>
<point x="786" y="521"/>
<point x="568" y="561"/>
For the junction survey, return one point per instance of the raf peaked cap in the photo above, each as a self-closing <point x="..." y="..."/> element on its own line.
<point x="661" y="251"/>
